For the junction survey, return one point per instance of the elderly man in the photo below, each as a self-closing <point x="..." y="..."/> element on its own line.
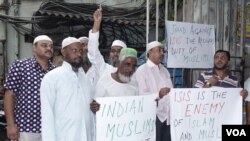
<point x="154" y="78"/>
<point x="84" y="41"/>
<point x="65" y="98"/>
<point x="96" y="57"/>
<point x="91" y="66"/>
<point x="116" y="47"/>
<point x="99" y="67"/>
<point x="118" y="83"/>
<point x="22" y="96"/>
<point x="86" y="63"/>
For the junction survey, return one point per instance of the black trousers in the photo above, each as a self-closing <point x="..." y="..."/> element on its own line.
<point x="162" y="131"/>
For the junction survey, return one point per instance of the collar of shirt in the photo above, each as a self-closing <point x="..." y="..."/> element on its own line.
<point x="151" y="64"/>
<point x="228" y="72"/>
<point x="69" y="67"/>
<point x="35" y="63"/>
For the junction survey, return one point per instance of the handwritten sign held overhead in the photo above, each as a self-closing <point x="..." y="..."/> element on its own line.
<point x="190" y="45"/>
<point x="198" y="114"/>
<point x="130" y="118"/>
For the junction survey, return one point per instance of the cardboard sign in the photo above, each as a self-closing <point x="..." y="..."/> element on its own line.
<point x="198" y="114"/>
<point x="190" y="45"/>
<point x="128" y="118"/>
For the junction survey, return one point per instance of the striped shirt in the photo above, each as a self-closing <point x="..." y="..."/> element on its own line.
<point x="229" y="81"/>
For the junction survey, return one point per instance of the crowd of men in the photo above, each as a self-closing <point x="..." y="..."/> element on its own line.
<point x="51" y="102"/>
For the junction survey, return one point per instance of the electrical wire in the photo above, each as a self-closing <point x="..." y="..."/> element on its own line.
<point x="127" y="24"/>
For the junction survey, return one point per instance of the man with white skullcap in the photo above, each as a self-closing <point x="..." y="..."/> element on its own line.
<point x="65" y="98"/>
<point x="86" y="62"/>
<point x="84" y="41"/>
<point x="154" y="78"/>
<point x="116" y="47"/>
<point x="96" y="57"/>
<point x="99" y="66"/>
<point x="22" y="95"/>
<point x="118" y="83"/>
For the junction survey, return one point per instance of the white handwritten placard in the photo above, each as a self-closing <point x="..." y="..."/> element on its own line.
<point x="198" y="114"/>
<point x="190" y="45"/>
<point x="129" y="118"/>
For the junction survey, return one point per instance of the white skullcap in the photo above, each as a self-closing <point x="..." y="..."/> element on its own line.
<point x="69" y="40"/>
<point x="153" y="45"/>
<point x="82" y="39"/>
<point x="119" y="43"/>
<point x="42" y="37"/>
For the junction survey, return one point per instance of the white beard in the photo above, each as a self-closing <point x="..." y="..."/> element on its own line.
<point x="124" y="78"/>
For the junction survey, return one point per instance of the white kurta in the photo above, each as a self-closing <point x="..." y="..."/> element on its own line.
<point x="93" y="73"/>
<point x="65" y="99"/>
<point x="108" y="87"/>
<point x="151" y="78"/>
<point x="100" y="67"/>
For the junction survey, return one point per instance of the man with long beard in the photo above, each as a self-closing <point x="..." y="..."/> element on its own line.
<point x="86" y="62"/>
<point x="116" y="47"/>
<point x="94" y="64"/>
<point x="65" y="98"/>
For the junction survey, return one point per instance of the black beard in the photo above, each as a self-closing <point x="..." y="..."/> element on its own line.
<point x="222" y="68"/>
<point x="76" y="64"/>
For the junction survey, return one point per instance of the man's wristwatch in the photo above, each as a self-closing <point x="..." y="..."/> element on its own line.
<point x="208" y="84"/>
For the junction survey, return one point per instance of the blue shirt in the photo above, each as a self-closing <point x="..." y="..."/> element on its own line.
<point x="24" y="80"/>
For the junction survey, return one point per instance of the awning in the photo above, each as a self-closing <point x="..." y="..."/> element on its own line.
<point x="83" y="12"/>
<point x="60" y="19"/>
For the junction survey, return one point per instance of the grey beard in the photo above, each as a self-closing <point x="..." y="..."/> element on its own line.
<point x="124" y="78"/>
<point x="113" y="61"/>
